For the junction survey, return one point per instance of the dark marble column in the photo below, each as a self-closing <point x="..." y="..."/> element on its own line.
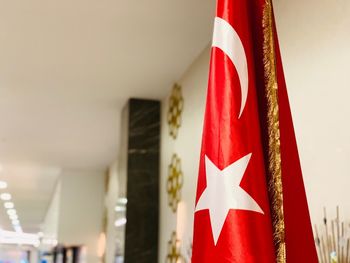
<point x="141" y="236"/>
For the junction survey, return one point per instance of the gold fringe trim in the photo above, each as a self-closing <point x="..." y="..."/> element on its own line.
<point x="274" y="151"/>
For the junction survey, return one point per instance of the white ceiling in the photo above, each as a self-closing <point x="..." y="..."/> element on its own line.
<point x="66" y="70"/>
<point x="31" y="188"/>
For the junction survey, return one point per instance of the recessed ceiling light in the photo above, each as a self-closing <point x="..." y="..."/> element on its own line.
<point x="15" y="222"/>
<point x="122" y="201"/>
<point x="120" y="208"/>
<point x="5" y="197"/>
<point x="3" y="185"/>
<point x="13" y="217"/>
<point x="9" y="205"/>
<point x="18" y="229"/>
<point x="11" y="212"/>
<point x="120" y="222"/>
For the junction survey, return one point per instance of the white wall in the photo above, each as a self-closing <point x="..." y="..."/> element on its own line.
<point x="186" y="146"/>
<point x="110" y="203"/>
<point x="314" y="38"/>
<point x="81" y="210"/>
<point x="51" y="221"/>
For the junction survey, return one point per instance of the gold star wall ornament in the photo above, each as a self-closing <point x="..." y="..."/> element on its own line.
<point x="174" y="253"/>
<point x="176" y="105"/>
<point x="174" y="182"/>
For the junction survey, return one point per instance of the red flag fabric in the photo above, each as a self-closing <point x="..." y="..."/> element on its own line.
<point x="232" y="220"/>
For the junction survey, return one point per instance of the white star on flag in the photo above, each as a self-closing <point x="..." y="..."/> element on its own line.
<point x="223" y="192"/>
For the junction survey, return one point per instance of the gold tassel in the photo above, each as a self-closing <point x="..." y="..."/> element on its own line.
<point x="274" y="151"/>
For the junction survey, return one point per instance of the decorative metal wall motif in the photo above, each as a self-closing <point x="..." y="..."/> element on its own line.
<point x="174" y="182"/>
<point x="175" y="176"/>
<point x="176" y="104"/>
<point x="174" y="253"/>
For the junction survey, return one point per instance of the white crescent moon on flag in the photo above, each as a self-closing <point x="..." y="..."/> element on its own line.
<point x="226" y="38"/>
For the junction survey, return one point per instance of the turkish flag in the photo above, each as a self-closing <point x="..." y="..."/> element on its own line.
<point x="232" y="220"/>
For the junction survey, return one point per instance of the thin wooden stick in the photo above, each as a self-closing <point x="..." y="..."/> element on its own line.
<point x="330" y="248"/>
<point x="341" y="251"/>
<point x="347" y="250"/>
<point x="338" y="233"/>
<point x="318" y="245"/>
<point x="326" y="228"/>
<point x="323" y="248"/>
<point x="343" y="240"/>
<point x="333" y="237"/>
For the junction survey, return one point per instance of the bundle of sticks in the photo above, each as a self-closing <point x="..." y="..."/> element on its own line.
<point x="333" y="240"/>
